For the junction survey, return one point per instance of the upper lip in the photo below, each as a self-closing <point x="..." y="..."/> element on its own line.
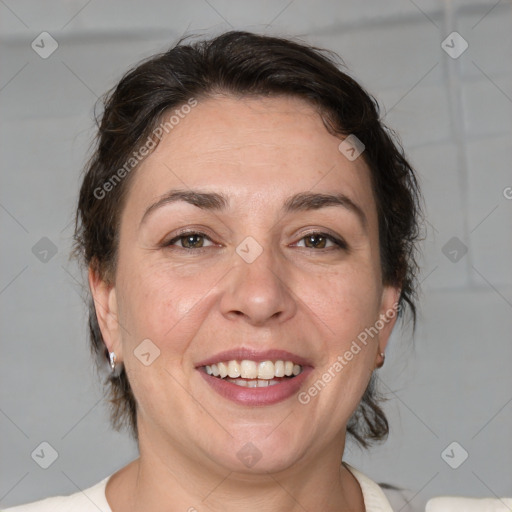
<point x="241" y="353"/>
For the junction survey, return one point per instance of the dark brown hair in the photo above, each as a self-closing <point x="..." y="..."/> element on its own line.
<point x="242" y="64"/>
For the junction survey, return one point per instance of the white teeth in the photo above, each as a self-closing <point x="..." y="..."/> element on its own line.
<point x="264" y="371"/>
<point x="279" y="369"/>
<point x="234" y="369"/>
<point x="223" y="370"/>
<point x="253" y="383"/>
<point x="239" y="382"/>
<point x="249" y="369"/>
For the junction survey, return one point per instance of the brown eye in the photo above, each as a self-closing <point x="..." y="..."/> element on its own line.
<point x="191" y="240"/>
<point x="316" y="241"/>
<point x="320" y="241"/>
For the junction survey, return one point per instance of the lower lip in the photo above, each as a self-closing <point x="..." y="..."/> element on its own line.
<point x="257" y="396"/>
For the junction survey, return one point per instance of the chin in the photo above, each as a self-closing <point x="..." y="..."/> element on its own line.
<point x="260" y="453"/>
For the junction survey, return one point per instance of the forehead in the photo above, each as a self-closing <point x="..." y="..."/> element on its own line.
<point x="265" y="148"/>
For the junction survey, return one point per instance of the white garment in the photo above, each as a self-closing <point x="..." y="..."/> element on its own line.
<point x="93" y="499"/>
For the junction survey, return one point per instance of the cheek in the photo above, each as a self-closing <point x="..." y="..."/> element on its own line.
<point x="168" y="311"/>
<point x="159" y="304"/>
<point x="148" y="293"/>
<point x="347" y="302"/>
<point x="347" y="306"/>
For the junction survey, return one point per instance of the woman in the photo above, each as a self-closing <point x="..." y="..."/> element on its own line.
<point x="249" y="230"/>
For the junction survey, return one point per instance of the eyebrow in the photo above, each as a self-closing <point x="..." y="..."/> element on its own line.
<point x="303" y="201"/>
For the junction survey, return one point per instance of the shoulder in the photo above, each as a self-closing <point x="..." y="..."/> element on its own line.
<point x="91" y="499"/>
<point x="374" y="498"/>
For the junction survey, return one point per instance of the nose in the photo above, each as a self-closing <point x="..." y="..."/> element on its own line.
<point x="260" y="292"/>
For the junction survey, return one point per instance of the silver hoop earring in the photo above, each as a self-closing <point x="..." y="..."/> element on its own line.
<point x="112" y="356"/>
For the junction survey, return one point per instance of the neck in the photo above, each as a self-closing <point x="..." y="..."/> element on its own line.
<point x="159" y="478"/>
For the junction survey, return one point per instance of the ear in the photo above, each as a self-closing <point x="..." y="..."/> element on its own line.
<point x="105" y="303"/>
<point x="388" y="315"/>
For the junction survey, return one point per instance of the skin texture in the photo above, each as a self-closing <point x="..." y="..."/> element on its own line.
<point x="308" y="300"/>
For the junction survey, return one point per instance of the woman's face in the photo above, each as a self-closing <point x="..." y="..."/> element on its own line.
<point x="255" y="261"/>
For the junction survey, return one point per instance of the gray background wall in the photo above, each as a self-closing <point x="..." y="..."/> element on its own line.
<point x="452" y="384"/>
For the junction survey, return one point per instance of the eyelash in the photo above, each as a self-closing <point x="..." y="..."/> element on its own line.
<point x="340" y="244"/>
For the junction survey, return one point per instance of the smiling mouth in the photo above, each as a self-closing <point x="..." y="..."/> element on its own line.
<point x="252" y="374"/>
